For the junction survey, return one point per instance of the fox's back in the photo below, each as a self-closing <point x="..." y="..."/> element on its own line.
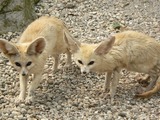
<point x="141" y="52"/>
<point x="44" y="26"/>
<point x="132" y="36"/>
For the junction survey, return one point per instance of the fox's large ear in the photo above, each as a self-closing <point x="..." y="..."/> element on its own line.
<point x="8" y="48"/>
<point x="37" y="46"/>
<point x="73" y="45"/>
<point x="105" y="46"/>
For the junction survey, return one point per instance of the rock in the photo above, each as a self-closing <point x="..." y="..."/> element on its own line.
<point x="122" y="114"/>
<point x="15" y="14"/>
<point x="70" y="6"/>
<point x="116" y="25"/>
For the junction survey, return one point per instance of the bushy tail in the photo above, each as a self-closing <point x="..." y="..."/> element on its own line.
<point x="151" y="92"/>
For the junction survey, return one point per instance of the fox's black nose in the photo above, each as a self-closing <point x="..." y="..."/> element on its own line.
<point x="23" y="74"/>
<point x="84" y="72"/>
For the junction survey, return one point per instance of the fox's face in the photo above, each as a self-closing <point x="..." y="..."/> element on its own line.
<point x="88" y="56"/>
<point x="23" y="56"/>
<point x="22" y="62"/>
<point x="85" y="57"/>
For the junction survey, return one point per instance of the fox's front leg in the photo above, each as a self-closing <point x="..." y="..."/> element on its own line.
<point x="68" y="61"/>
<point x="107" y="81"/>
<point x="23" y="86"/>
<point x="56" y="62"/>
<point x="34" y="84"/>
<point x="116" y="77"/>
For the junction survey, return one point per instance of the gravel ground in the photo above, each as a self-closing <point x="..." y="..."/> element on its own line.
<point x="68" y="95"/>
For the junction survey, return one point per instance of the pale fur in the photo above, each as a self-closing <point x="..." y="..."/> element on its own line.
<point x="131" y="50"/>
<point x="51" y="33"/>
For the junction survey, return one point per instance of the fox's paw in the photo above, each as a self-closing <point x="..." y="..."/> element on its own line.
<point x="106" y="90"/>
<point x="112" y="101"/>
<point x="143" y="79"/>
<point x="105" y="95"/>
<point x="55" y="70"/>
<point x="66" y="67"/>
<point x="29" y="100"/>
<point x="19" y="99"/>
<point x="140" y="90"/>
<point x="109" y="98"/>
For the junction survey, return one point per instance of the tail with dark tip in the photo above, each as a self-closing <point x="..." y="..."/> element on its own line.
<point x="151" y="92"/>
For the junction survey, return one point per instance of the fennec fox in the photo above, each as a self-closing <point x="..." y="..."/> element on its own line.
<point x="131" y="50"/>
<point x="43" y="37"/>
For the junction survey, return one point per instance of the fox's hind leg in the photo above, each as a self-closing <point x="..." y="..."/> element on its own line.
<point x="152" y="83"/>
<point x="143" y="79"/>
<point x="150" y="86"/>
<point x="150" y="92"/>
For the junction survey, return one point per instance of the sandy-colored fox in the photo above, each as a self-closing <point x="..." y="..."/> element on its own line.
<point x="43" y="37"/>
<point x="131" y="50"/>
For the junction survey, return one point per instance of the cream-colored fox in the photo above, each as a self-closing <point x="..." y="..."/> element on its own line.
<point x="43" y="37"/>
<point x="131" y="50"/>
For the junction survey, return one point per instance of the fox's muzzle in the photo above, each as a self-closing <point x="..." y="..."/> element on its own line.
<point x="84" y="70"/>
<point x="24" y="73"/>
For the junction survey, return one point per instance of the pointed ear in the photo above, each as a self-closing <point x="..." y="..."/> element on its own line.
<point x="105" y="46"/>
<point x="8" y="48"/>
<point x="37" y="46"/>
<point x="73" y="45"/>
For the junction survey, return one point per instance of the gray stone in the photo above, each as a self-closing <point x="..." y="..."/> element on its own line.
<point x="16" y="14"/>
<point x="122" y="114"/>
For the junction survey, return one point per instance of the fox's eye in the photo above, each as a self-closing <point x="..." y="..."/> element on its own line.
<point x="91" y="63"/>
<point x="29" y="63"/>
<point x="80" y="62"/>
<point x="18" y="64"/>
